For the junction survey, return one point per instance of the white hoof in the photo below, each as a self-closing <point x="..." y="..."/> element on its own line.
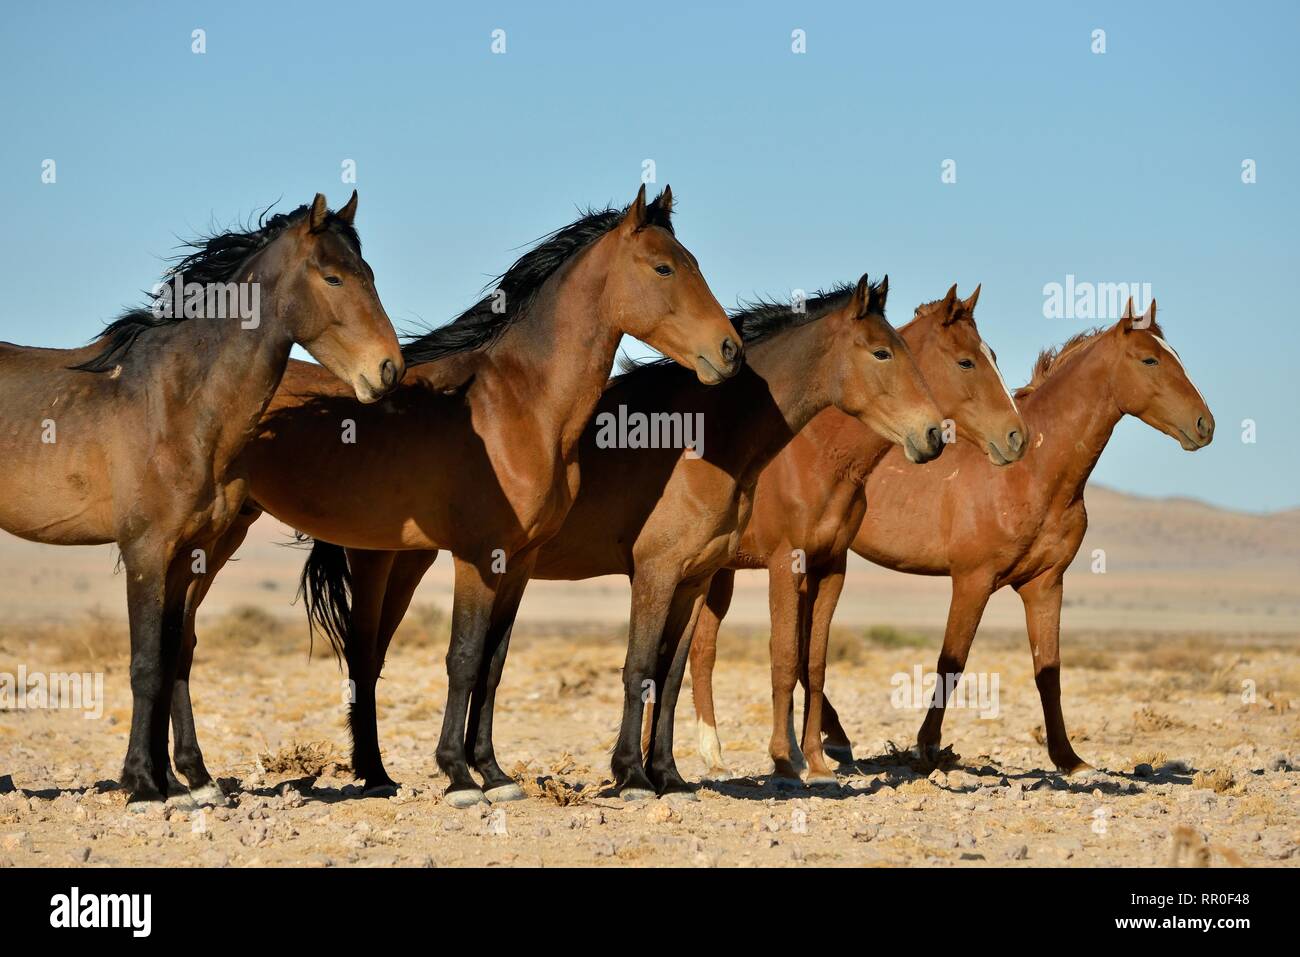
<point x="710" y="747"/>
<point x="504" y="793"/>
<point x="210" y="793"/>
<point x="466" y="798"/>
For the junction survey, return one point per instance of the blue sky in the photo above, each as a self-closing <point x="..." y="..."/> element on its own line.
<point x="791" y="171"/>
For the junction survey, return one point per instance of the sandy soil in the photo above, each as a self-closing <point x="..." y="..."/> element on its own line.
<point x="1191" y="770"/>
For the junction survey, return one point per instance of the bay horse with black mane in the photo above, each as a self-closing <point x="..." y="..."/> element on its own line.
<point x="478" y="452"/>
<point x="1022" y="526"/>
<point x="668" y="515"/>
<point x="136" y="438"/>
<point x="809" y="504"/>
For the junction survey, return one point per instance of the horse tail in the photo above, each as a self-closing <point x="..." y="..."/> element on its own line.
<point x="326" y="584"/>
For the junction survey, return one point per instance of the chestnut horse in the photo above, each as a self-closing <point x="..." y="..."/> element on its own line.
<point x="1023" y="526"/>
<point x="478" y="452"/>
<point x="668" y="518"/>
<point x="136" y="438"/>
<point x="810" y="502"/>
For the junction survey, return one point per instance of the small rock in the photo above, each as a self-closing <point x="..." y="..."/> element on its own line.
<point x="965" y="839"/>
<point x="81" y="855"/>
<point x="1019" y="853"/>
<point x="7" y="784"/>
<point x="15" y="840"/>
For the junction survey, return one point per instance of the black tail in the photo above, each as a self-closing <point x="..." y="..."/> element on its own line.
<point x="326" y="584"/>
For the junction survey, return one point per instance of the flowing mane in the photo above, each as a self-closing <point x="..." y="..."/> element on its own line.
<point x="508" y="297"/>
<point x="1051" y="359"/>
<point x="214" y="259"/>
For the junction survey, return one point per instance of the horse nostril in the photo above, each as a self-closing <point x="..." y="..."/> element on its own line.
<point x="730" y="351"/>
<point x="388" y="373"/>
<point x="1201" y="428"/>
<point x="1013" y="440"/>
<point x="935" y="437"/>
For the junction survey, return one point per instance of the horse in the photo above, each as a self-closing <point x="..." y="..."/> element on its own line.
<point x="1023" y="526"/>
<point x="810" y="502"/>
<point x="668" y="512"/>
<point x="477" y="453"/>
<point x="136" y="439"/>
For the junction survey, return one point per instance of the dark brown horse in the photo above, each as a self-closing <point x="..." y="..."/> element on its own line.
<point x="809" y="505"/>
<point x="136" y="439"/>
<point x="1023" y="526"/>
<point x="669" y="517"/>
<point x="478" y="452"/>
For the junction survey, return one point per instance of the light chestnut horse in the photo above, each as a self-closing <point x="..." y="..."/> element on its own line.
<point x="669" y="517"/>
<point x="476" y="454"/>
<point x="1023" y="526"/>
<point x="136" y="438"/>
<point x="809" y="505"/>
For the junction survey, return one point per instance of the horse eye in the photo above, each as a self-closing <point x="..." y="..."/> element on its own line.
<point x="882" y="354"/>
<point x="966" y="363"/>
<point x="334" y="280"/>
<point x="664" y="270"/>
<point x="1151" y="361"/>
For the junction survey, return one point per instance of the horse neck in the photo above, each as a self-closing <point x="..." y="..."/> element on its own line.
<point x="777" y="393"/>
<point x="1073" y="413"/>
<point x="243" y="367"/>
<point x="557" y="358"/>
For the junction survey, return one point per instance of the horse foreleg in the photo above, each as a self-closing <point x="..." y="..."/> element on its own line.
<point x="824" y="592"/>
<point x="498" y="786"/>
<point x="674" y="651"/>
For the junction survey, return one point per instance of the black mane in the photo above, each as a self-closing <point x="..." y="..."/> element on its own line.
<point x="214" y="259"/>
<point x="480" y="325"/>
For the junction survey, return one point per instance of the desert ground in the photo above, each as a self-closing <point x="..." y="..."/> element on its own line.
<point x="1181" y="664"/>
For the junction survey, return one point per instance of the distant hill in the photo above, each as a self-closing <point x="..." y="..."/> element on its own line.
<point x="1172" y="564"/>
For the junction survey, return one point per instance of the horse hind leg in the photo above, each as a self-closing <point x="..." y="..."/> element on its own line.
<point x="703" y="656"/>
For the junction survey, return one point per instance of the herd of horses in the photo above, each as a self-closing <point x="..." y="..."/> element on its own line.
<point x="169" y="435"/>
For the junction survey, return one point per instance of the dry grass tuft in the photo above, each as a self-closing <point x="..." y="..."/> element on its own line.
<point x="1148" y="719"/>
<point x="1217" y="781"/>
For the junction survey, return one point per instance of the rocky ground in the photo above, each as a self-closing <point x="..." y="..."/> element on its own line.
<point x="1195" y="737"/>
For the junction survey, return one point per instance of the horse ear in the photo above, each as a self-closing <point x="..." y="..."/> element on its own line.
<point x="662" y="207"/>
<point x="1149" y="317"/>
<point x="319" y="209"/>
<point x="1126" y="320"/>
<point x="948" y="306"/>
<point x="349" y="211"/>
<point x="869" y="299"/>
<point x="636" y="213"/>
<point x="974" y="298"/>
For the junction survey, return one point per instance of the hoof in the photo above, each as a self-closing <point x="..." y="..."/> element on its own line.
<point x="145" y="807"/>
<point x="721" y="773"/>
<point x="174" y="786"/>
<point x="386" y="790"/>
<point x="210" y="793"/>
<point x="839" y="753"/>
<point x="783" y="783"/>
<point x="467" y="797"/>
<point x="683" y="797"/>
<point x="636" y="794"/>
<point x="505" y="792"/>
<point x="1082" y="769"/>
<point x="821" y="781"/>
